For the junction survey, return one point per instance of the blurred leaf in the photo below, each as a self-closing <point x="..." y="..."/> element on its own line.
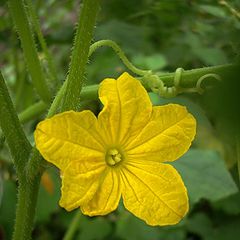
<point x="210" y="56"/>
<point x="213" y="10"/>
<point x="172" y="233"/>
<point x="230" y="205"/>
<point x="130" y="37"/>
<point x="112" y="66"/>
<point x="129" y="227"/>
<point x="228" y="230"/>
<point x="200" y="224"/>
<point x="205" y="175"/>
<point x="94" y="228"/>
<point x="153" y="62"/>
<point x="49" y="195"/>
<point x="192" y="107"/>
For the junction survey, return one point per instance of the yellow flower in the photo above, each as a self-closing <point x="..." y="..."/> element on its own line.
<point x="120" y="153"/>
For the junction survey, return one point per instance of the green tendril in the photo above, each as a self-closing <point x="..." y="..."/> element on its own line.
<point x="199" y="89"/>
<point x="156" y="84"/>
<point x="120" y="53"/>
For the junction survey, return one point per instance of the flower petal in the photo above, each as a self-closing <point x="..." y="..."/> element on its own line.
<point x="80" y="181"/>
<point x="166" y="137"/>
<point x="107" y="196"/>
<point x="154" y="192"/>
<point x="127" y="108"/>
<point x="69" y="136"/>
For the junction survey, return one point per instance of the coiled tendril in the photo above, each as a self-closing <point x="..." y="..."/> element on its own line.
<point x="155" y="83"/>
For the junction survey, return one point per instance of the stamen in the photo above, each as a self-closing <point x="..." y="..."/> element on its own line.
<point x="113" y="157"/>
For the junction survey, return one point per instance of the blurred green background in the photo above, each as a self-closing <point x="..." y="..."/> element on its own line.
<point x="160" y="35"/>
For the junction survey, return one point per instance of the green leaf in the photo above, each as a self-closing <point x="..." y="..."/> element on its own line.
<point x="205" y="175"/>
<point x="97" y="228"/>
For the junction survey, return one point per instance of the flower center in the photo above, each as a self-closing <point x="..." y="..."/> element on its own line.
<point x="113" y="157"/>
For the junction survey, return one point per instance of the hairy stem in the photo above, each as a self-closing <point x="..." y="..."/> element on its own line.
<point x="18" y="144"/>
<point x="18" y="12"/>
<point x="80" y="51"/>
<point x="37" y="28"/>
<point x="27" y="199"/>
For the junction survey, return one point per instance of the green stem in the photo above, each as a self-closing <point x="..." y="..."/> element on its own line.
<point x="80" y="51"/>
<point x="32" y="112"/>
<point x="21" y="22"/>
<point x="20" y="89"/>
<point x="73" y="227"/>
<point x="27" y="199"/>
<point x="18" y="144"/>
<point x="15" y="55"/>
<point x="37" y="28"/>
<point x="90" y="92"/>
<point x="189" y="78"/>
<point x="120" y="53"/>
<point x="57" y="101"/>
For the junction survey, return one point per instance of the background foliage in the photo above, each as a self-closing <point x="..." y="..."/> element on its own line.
<point x="158" y="35"/>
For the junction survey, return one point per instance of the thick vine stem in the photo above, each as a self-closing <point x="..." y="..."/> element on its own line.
<point x="26" y="207"/>
<point x="18" y="12"/>
<point x="189" y="78"/>
<point x="18" y="144"/>
<point x="80" y="51"/>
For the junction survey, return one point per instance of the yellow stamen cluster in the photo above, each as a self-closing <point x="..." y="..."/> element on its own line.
<point x="113" y="157"/>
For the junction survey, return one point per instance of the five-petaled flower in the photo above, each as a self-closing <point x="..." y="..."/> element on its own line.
<point x="120" y="153"/>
